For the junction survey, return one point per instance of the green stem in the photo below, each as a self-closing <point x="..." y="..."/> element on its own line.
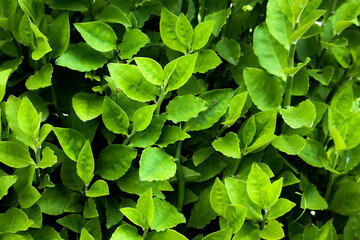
<point x="290" y="78"/>
<point x="218" y="134"/>
<point x="38" y="159"/>
<point x="160" y="100"/>
<point x="263" y="221"/>
<point x="145" y="234"/>
<point x="180" y="178"/>
<point x="331" y="179"/>
<point x="236" y="166"/>
<point x="127" y="139"/>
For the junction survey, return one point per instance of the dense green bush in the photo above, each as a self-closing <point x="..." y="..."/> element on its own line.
<point x="179" y="119"/>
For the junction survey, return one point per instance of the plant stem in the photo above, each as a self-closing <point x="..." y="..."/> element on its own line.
<point x="331" y="178"/>
<point x="145" y="234"/>
<point x="290" y="78"/>
<point x="38" y="159"/>
<point x="236" y="166"/>
<point x="127" y="139"/>
<point x="160" y="100"/>
<point x="263" y="221"/>
<point x="221" y="130"/>
<point x="180" y="178"/>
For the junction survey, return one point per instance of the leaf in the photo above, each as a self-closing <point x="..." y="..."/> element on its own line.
<point x="184" y="30"/>
<point x="28" y="118"/>
<point x="85" y="235"/>
<point x="302" y="115"/>
<point x="14" y="154"/>
<point x="272" y="230"/>
<point x="166" y="216"/>
<point x="182" y="108"/>
<point x="126" y="231"/>
<point x="229" y="49"/>
<point x="28" y="196"/>
<point x="167" y="234"/>
<point x="46" y="232"/>
<point x="177" y="77"/>
<point x="300" y="83"/>
<point x="289" y="178"/>
<point x="71" y="141"/>
<point x="349" y="129"/>
<point x="218" y="101"/>
<point x="278" y="23"/>
<point x="311" y="199"/>
<point x="132" y="42"/>
<point x="236" y="106"/>
<point x="281" y="207"/>
<point x="87" y="106"/>
<point x="324" y="75"/>
<point x="114" y="161"/>
<point x="271" y="54"/>
<point x="168" y="31"/>
<point x="306" y="23"/>
<point x="69" y="176"/>
<point x="219" y="199"/>
<point x="58" y="33"/>
<point x="54" y="200"/>
<point x="202" y="154"/>
<point x="155" y="164"/>
<point x="85" y="165"/>
<point x="42" y="45"/>
<point x="41" y="78"/>
<point x="289" y="144"/>
<point x="112" y="14"/>
<point x="220" y="19"/>
<point x="207" y="59"/>
<point x="151" y="70"/>
<point x="14" y="220"/>
<point x="98" y="189"/>
<point x="134" y="215"/>
<point x="297" y="9"/>
<point x="248" y="131"/>
<point x="130" y="80"/>
<point x="224" y="234"/>
<point x="313" y="153"/>
<point x="5" y="183"/>
<point x="98" y="35"/>
<point x="113" y="215"/>
<point x="346" y="199"/>
<point x="229" y="145"/>
<point x="264" y="89"/>
<point x="4" y="75"/>
<point x="257" y="185"/>
<point x="249" y="231"/>
<point x="145" y="205"/>
<point x="81" y="57"/>
<point x="142" y="117"/>
<point x="171" y="134"/>
<point x="235" y="215"/>
<point x="90" y="210"/>
<point x="202" y="34"/>
<point x="114" y="118"/>
<point x="33" y="8"/>
<point x="343" y="101"/>
<point x="74" y="222"/>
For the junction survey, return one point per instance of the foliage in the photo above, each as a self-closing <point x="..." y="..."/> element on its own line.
<point x="179" y="119"/>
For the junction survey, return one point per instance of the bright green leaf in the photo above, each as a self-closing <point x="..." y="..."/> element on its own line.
<point x="145" y="205"/>
<point x="289" y="144"/>
<point x="272" y="230"/>
<point x="87" y="106"/>
<point x="126" y="231"/>
<point x="166" y="216"/>
<point x="281" y="207"/>
<point x="98" y="189"/>
<point x="114" y="118"/>
<point x="28" y="196"/>
<point x="142" y="117"/>
<point x="313" y="153"/>
<point x="14" y="220"/>
<point x="184" y="30"/>
<point x="5" y="183"/>
<point x="207" y="59"/>
<point x="171" y="134"/>
<point x="311" y="199"/>
<point x="220" y="19"/>
<point x="112" y="14"/>
<point x="229" y="145"/>
<point x="235" y="215"/>
<point x="85" y="165"/>
<point x="151" y="70"/>
<point x="15" y="154"/>
<point x="41" y="78"/>
<point x="219" y="198"/>
<point x="132" y="42"/>
<point x="229" y="49"/>
<point x="134" y="215"/>
<point x="302" y="115"/>
<point x="201" y="34"/>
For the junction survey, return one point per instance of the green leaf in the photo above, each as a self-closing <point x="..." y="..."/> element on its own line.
<point x="71" y="141"/>
<point x="219" y="199"/>
<point x="130" y="80"/>
<point x="155" y="164"/>
<point x="14" y="154"/>
<point x="14" y="220"/>
<point x="346" y="199"/>
<point x="220" y="19"/>
<point x="350" y="130"/>
<point x="302" y="115"/>
<point x="235" y="215"/>
<point x="324" y="75"/>
<point x="126" y="231"/>
<point x="171" y="134"/>
<point x="90" y="210"/>
<point x="202" y="34"/>
<point x="311" y="199"/>
<point x="112" y="14"/>
<point x="278" y="23"/>
<point x="306" y="23"/>
<point x="176" y="77"/>
<point x="114" y="118"/>
<point x="218" y="100"/>
<point x="343" y="100"/>
<point x="297" y="9"/>
<point x="54" y="200"/>
<point x="98" y="35"/>
<point x="281" y="207"/>
<point x="202" y="154"/>
<point x="58" y="33"/>
<point x="28" y="196"/>
<point x="33" y="8"/>
<point x="182" y="108"/>
<point x="151" y="70"/>
<point x="289" y="144"/>
<point x="313" y="153"/>
<point x="5" y="183"/>
<point x="168" y="31"/>
<point x="229" y="145"/>
<point x="41" y="78"/>
<point x="114" y="161"/>
<point x="184" y="30"/>
<point x="248" y="131"/>
<point x="271" y="54"/>
<point x="132" y="42"/>
<point x="113" y="215"/>
<point x="236" y="106"/>
<point x="28" y="118"/>
<point x="134" y="215"/>
<point x="87" y="106"/>
<point x="85" y="165"/>
<point x="4" y="75"/>
<point x="85" y="235"/>
<point x="145" y="205"/>
<point x="264" y="89"/>
<point x="249" y="231"/>
<point x="74" y="222"/>
<point x="167" y="234"/>
<point x="272" y="230"/>
<point x="224" y="234"/>
<point x="98" y="189"/>
<point x="300" y="83"/>
<point x="142" y="117"/>
<point x="229" y="49"/>
<point x="166" y="216"/>
<point x="42" y="45"/>
<point x="83" y="58"/>
<point x="207" y="59"/>
<point x="69" y="176"/>
<point x="289" y="178"/>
